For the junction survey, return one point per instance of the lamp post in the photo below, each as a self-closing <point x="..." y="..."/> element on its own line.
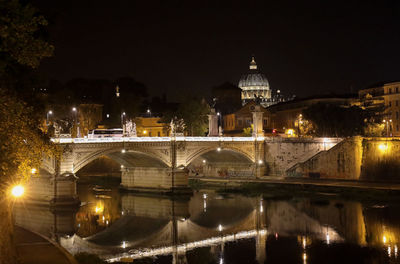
<point x="122" y="119"/>
<point x="49" y="113"/>
<point x="76" y="121"/>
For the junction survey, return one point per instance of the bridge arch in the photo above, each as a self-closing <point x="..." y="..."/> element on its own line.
<point x="123" y="155"/>
<point x="222" y="150"/>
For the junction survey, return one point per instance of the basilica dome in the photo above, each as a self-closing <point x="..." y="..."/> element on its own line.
<point x="254" y="84"/>
<point x="254" y="78"/>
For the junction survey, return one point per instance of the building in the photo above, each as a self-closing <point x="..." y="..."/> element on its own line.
<point x="279" y="118"/>
<point x="384" y="99"/>
<point x="254" y="85"/>
<point x="150" y="127"/>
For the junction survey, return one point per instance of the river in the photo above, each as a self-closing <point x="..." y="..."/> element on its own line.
<point x="211" y="227"/>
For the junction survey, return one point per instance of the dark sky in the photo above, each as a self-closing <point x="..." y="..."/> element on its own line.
<point x="303" y="47"/>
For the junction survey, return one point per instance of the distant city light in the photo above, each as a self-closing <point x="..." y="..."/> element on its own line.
<point x="108" y="115"/>
<point x="74" y="109"/>
<point x="50" y="112"/>
<point x="218" y="149"/>
<point x="260" y="162"/>
<point x="204" y="161"/>
<point x="123" y="150"/>
<point x="219" y="227"/>
<point x="148" y="110"/>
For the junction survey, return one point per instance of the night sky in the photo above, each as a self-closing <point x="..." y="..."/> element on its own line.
<point x="303" y="47"/>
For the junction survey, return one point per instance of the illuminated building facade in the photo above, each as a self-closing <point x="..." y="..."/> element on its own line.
<point x="384" y="98"/>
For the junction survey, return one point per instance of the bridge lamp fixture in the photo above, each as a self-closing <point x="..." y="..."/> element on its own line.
<point x="17" y="191"/>
<point x="144" y="132"/>
<point x="123" y="244"/>
<point x="122" y="166"/>
<point x="50" y="112"/>
<point x="218" y="113"/>
<point x="33" y="170"/>
<point x="204" y="161"/>
<point x="108" y="115"/>
<point x="74" y="109"/>
<point x="219" y="227"/>
<point x="123" y="113"/>
<point x="123" y="151"/>
<point x="260" y="162"/>
<point x="218" y="149"/>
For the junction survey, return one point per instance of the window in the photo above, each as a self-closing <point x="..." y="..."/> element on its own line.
<point x="265" y="122"/>
<point x="390" y="90"/>
<point x="397" y="115"/>
<point x="149" y="134"/>
<point x="397" y="102"/>
<point x="248" y="122"/>
<point x="390" y="103"/>
<point x="397" y="128"/>
<point x="158" y="134"/>
<point x="240" y="122"/>
<point x="397" y="89"/>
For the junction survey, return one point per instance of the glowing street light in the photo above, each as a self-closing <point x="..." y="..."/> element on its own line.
<point x="218" y="149"/>
<point x="49" y="113"/>
<point x="17" y="191"/>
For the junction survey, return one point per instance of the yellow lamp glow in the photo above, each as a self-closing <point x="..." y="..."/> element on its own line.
<point x="17" y="191"/>
<point x="33" y="170"/>
<point x="383" y="147"/>
<point x="144" y="131"/>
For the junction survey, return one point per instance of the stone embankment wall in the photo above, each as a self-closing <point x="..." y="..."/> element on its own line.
<point x="355" y="158"/>
<point x="283" y="153"/>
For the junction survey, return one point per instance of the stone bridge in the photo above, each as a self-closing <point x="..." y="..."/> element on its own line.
<point x="164" y="163"/>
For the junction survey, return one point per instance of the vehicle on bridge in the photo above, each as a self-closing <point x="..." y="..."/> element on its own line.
<point x="105" y="133"/>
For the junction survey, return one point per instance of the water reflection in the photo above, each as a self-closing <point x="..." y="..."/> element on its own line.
<point x="210" y="228"/>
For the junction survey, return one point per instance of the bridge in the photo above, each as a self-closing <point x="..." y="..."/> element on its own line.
<point x="164" y="163"/>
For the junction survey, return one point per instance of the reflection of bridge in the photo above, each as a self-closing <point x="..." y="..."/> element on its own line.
<point x="163" y="163"/>
<point x="151" y="226"/>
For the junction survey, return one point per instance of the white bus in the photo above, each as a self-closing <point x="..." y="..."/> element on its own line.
<point x="105" y="133"/>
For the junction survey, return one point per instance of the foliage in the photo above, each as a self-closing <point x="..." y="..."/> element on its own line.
<point x="194" y="112"/>
<point x="19" y="28"/>
<point x="22" y="143"/>
<point x="248" y="131"/>
<point x="333" y="120"/>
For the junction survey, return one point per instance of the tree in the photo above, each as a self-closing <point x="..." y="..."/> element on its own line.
<point x="194" y="112"/>
<point x="333" y="120"/>
<point x="22" y="144"/>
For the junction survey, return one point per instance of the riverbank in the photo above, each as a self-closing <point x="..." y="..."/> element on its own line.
<point x="33" y="248"/>
<point x="283" y="188"/>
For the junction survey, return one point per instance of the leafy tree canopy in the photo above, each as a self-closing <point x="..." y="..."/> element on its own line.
<point x="334" y="120"/>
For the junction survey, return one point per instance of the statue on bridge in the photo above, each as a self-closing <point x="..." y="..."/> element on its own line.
<point x="177" y="127"/>
<point x="130" y="129"/>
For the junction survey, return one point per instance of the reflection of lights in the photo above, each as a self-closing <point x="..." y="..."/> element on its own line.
<point x="276" y="235"/>
<point x="107" y="222"/>
<point x="389" y="251"/>
<point x="221" y="261"/>
<point x="205" y="206"/>
<point x="123" y="244"/>
<point x="17" y="191"/>
<point x="150" y="252"/>
<point x="384" y="239"/>
<point x="304" y="257"/>
<point x="204" y="196"/>
<point x="395" y="251"/>
<point x="327" y="239"/>
<point x="304" y="243"/>
<point x="122" y="213"/>
<point x="326" y="140"/>
<point x="103" y="218"/>
<point x="261" y="207"/>
<point x="219" y="227"/>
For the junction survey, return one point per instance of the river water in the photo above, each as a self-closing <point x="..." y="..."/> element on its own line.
<point x="209" y="227"/>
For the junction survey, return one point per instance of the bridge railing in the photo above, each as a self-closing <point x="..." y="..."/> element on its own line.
<point x="151" y="139"/>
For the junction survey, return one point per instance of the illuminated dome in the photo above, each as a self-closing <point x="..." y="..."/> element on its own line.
<point x="254" y="84"/>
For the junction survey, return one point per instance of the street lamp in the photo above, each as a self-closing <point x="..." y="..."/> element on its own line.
<point x="75" y="111"/>
<point x="17" y="191"/>
<point x="122" y="119"/>
<point x="47" y="117"/>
